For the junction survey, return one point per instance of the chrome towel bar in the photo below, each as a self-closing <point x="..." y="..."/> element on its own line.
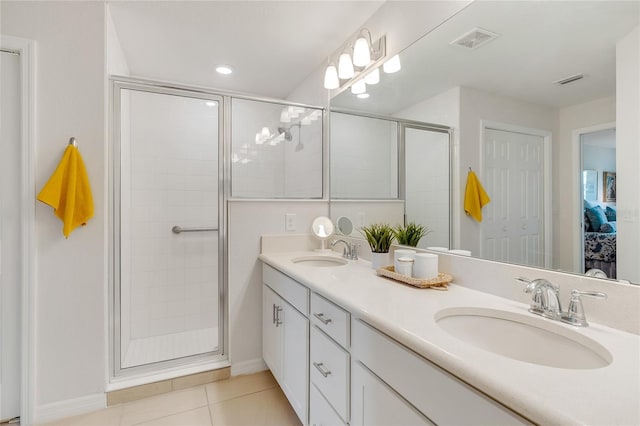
<point x="179" y="229"/>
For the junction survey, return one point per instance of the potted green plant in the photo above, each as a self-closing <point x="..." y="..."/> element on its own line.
<point x="379" y="236"/>
<point x="410" y="234"/>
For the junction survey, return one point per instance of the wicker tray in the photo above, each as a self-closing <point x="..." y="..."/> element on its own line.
<point x="438" y="283"/>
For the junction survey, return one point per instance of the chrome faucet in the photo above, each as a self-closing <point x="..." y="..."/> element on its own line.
<point x="350" y="250"/>
<point x="545" y="301"/>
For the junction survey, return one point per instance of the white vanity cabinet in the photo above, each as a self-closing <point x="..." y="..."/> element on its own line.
<point x="285" y="337"/>
<point x="438" y="395"/>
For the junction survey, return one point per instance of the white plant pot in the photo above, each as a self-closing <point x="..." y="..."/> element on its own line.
<point x="379" y="259"/>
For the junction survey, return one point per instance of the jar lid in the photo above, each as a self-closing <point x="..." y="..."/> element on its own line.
<point x="405" y="259"/>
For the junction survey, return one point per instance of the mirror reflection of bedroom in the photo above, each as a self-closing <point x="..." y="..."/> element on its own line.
<point x="598" y="181"/>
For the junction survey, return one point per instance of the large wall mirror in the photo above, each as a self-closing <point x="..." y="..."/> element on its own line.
<point x="529" y="91"/>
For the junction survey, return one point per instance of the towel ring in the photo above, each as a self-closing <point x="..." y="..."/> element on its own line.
<point x="73" y="142"/>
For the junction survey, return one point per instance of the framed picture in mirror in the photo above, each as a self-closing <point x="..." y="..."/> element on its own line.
<point x="608" y="187"/>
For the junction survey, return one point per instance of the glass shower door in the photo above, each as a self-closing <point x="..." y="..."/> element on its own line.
<point x="168" y="267"/>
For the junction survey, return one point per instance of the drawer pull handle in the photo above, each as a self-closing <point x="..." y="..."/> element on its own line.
<point x="321" y="369"/>
<point x="273" y="314"/>
<point x="278" y="310"/>
<point x="322" y="319"/>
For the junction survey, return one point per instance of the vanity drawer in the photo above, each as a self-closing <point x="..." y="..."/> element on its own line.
<point x="433" y="391"/>
<point x="290" y="290"/>
<point x="329" y="371"/>
<point x="320" y="411"/>
<point x="331" y="319"/>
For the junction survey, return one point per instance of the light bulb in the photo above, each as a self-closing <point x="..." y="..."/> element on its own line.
<point x="361" y="52"/>
<point x="358" y="87"/>
<point x="345" y="67"/>
<point x="265" y="133"/>
<point x="224" y="69"/>
<point x="373" y="77"/>
<point x="392" y="65"/>
<point x="331" y="80"/>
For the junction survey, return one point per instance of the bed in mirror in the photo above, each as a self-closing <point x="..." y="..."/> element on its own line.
<point x="520" y="99"/>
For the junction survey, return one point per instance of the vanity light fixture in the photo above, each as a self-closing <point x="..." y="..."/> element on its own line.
<point x="345" y="67"/>
<point x="331" y="80"/>
<point x="373" y="77"/>
<point x="357" y="56"/>
<point x="392" y="65"/>
<point x="359" y="87"/>
<point x="362" y="50"/>
<point x="224" y="69"/>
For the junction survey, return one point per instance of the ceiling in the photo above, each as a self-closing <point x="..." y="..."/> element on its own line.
<point x="540" y="42"/>
<point x="273" y="46"/>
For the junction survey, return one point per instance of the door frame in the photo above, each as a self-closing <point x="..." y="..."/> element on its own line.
<point x="576" y="189"/>
<point x="27" y="50"/>
<point x="547" y="195"/>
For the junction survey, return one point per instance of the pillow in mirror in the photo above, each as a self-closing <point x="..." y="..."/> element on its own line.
<point x="611" y="213"/>
<point x="596" y="217"/>
<point x="609" y="227"/>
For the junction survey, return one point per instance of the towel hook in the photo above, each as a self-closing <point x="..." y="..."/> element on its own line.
<point x="73" y="142"/>
<point x="470" y="169"/>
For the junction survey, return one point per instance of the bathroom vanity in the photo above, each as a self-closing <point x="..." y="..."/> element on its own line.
<point x="350" y="347"/>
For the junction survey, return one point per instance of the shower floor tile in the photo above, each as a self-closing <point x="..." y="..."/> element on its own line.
<point x="254" y="400"/>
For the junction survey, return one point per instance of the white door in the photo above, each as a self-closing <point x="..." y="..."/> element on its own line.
<point x="10" y="236"/>
<point x="513" y="222"/>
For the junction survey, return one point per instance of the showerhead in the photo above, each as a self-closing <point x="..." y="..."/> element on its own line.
<point x="286" y="133"/>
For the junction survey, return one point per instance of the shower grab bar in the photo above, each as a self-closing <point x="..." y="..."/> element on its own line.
<point x="179" y="229"/>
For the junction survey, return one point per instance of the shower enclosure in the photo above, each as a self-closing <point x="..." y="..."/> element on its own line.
<point x="168" y="222"/>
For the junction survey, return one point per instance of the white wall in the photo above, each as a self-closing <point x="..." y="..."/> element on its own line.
<point x="70" y="273"/>
<point x="116" y="60"/>
<point x="628" y="154"/>
<point x="566" y="184"/>
<point x="600" y="159"/>
<point x="248" y="221"/>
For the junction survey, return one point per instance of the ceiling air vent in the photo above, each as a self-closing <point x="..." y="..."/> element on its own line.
<point x="475" y="38"/>
<point x="569" y="79"/>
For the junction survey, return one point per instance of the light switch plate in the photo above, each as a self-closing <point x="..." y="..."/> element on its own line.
<point x="290" y="222"/>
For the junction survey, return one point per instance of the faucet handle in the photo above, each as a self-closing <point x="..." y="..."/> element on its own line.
<point x="354" y="251"/>
<point x="575" y="313"/>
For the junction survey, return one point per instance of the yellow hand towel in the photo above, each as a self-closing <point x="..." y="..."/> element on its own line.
<point x="68" y="191"/>
<point x="475" y="197"/>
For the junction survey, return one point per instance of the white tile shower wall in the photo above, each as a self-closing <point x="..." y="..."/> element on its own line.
<point x="427" y="184"/>
<point x="173" y="179"/>
<point x="363" y="158"/>
<point x="284" y="170"/>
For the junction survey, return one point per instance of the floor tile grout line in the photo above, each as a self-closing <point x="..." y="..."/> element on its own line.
<point x="168" y="415"/>
<point x="243" y="395"/>
<point x="206" y="394"/>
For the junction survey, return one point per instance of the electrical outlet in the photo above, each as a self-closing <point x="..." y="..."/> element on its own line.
<point x="290" y="222"/>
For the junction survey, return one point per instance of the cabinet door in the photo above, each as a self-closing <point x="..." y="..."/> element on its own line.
<point x="294" y="377"/>
<point x="374" y="403"/>
<point x="320" y="411"/>
<point x="271" y="340"/>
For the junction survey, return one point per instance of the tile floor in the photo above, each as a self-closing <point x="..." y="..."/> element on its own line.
<point x="250" y="400"/>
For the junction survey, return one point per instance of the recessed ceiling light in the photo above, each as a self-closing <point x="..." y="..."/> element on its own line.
<point x="224" y="69"/>
<point x="363" y="95"/>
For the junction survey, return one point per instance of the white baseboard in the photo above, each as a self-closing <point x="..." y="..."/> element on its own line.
<point x="70" y="407"/>
<point x="248" y="367"/>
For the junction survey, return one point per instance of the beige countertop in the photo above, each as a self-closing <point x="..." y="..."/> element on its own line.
<point x="545" y="395"/>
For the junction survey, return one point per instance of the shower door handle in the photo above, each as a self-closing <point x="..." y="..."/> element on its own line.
<point x="179" y="229"/>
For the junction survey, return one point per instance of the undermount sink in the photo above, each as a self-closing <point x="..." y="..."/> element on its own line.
<point x="320" y="261"/>
<point x="523" y="337"/>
